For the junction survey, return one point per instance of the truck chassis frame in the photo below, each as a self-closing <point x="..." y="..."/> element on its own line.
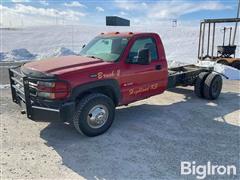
<point x="185" y="75"/>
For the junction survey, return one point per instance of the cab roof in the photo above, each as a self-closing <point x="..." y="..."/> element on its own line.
<point x="124" y="34"/>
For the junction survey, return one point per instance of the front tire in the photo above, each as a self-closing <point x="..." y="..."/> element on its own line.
<point x="94" y="114"/>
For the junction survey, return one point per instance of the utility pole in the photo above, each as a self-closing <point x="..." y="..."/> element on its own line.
<point x="235" y="31"/>
<point x="72" y="38"/>
<point x="63" y="20"/>
<point x="174" y="22"/>
<point x="10" y="24"/>
<point x="22" y="23"/>
<point x="56" y="18"/>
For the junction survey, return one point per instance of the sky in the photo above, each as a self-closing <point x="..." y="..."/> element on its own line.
<point x="15" y="13"/>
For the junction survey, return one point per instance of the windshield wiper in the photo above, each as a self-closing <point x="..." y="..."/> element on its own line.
<point x="94" y="57"/>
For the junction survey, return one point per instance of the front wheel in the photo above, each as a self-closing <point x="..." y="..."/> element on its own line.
<point x="94" y="114"/>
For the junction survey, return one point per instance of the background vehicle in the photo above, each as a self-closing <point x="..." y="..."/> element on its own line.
<point x="114" y="69"/>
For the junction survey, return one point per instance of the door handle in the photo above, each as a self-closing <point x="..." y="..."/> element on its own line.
<point x="158" y="67"/>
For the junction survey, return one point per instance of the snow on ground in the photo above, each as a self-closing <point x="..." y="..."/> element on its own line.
<point x="24" y="55"/>
<point x="180" y="43"/>
<point x="61" y="51"/>
<point x="21" y="54"/>
<point x="230" y="72"/>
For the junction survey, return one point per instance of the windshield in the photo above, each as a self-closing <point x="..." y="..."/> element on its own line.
<point x="105" y="48"/>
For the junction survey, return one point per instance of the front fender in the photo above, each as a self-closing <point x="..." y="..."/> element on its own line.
<point x="111" y="83"/>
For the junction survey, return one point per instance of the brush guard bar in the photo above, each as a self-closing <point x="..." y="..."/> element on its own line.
<point x="21" y="86"/>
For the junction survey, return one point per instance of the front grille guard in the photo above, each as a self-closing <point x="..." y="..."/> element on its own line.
<point x="19" y="84"/>
<point x="24" y="89"/>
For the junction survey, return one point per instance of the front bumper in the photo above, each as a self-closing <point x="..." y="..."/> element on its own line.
<point x="37" y="109"/>
<point x="63" y="113"/>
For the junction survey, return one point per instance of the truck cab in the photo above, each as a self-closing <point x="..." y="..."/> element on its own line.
<point x="138" y="63"/>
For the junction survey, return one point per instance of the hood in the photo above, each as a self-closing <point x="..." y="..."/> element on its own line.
<point x="54" y="65"/>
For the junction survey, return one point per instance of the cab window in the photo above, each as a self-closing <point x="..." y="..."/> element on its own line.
<point x="139" y="44"/>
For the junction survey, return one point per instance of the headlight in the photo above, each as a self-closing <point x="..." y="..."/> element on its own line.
<point x="53" y="90"/>
<point x="46" y="84"/>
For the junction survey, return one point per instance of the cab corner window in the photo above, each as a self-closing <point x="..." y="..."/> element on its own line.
<point x="147" y="43"/>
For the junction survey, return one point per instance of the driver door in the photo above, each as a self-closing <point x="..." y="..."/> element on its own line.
<point x="141" y="81"/>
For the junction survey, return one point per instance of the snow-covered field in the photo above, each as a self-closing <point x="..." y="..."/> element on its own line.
<point x="36" y="43"/>
<point x="39" y="42"/>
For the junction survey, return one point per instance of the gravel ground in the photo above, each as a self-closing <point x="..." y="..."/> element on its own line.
<point x="147" y="140"/>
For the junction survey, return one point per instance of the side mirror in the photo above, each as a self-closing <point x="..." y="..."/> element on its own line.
<point x="144" y="57"/>
<point x="83" y="46"/>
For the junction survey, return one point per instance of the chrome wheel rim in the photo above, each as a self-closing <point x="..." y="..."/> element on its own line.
<point x="97" y="116"/>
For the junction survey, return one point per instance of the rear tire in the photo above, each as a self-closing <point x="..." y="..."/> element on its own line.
<point x="212" y="86"/>
<point x="199" y="83"/>
<point x="94" y="114"/>
<point x="236" y="64"/>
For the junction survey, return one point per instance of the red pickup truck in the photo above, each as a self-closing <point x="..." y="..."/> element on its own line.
<point x="113" y="69"/>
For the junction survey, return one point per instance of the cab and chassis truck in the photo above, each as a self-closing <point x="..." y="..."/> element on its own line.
<point x="113" y="69"/>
